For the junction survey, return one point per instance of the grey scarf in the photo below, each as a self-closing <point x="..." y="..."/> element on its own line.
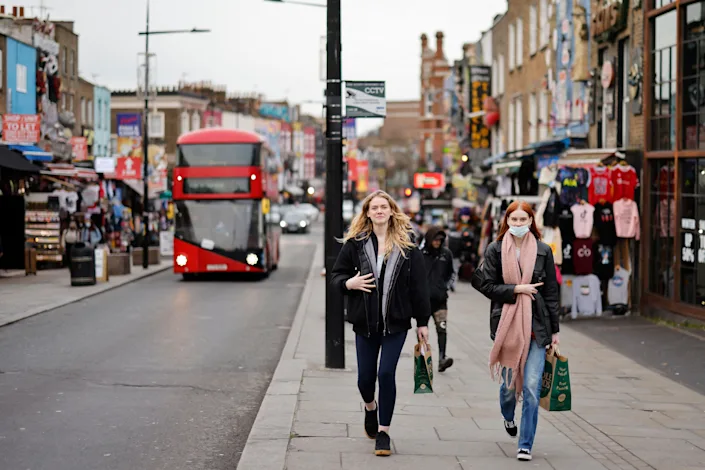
<point x="394" y="259"/>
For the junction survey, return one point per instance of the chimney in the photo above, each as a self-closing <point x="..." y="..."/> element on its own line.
<point x="424" y="42"/>
<point x="439" y="44"/>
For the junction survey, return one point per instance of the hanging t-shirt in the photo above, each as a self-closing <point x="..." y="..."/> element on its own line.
<point x="583" y="218"/>
<point x="582" y="256"/>
<point x="604" y="261"/>
<point x="626" y="219"/>
<point x="552" y="238"/>
<point x="567" y="255"/>
<point x="587" y="298"/>
<point x="618" y="287"/>
<point x="604" y="224"/>
<point x="600" y="189"/>
<point x="504" y="186"/>
<point x="573" y="185"/>
<point x="548" y="175"/>
<point x="625" y="181"/>
<point x="565" y="223"/>
<point x="567" y="290"/>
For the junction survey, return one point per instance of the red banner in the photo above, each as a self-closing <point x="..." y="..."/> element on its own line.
<point x="128" y="168"/>
<point x="21" y="128"/>
<point x="429" y="181"/>
<point x="79" y="145"/>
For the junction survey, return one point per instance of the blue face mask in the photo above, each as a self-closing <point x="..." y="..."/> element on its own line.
<point x="520" y="231"/>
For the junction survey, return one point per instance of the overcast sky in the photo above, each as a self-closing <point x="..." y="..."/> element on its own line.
<point x="270" y="48"/>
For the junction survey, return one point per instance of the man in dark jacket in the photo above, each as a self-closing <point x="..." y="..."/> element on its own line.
<point x="439" y="272"/>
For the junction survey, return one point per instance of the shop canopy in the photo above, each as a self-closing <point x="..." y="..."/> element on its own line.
<point x="14" y="161"/>
<point x="543" y="147"/>
<point x="67" y="170"/>
<point x="32" y="152"/>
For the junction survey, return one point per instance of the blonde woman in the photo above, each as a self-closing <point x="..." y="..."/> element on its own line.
<point x="383" y="274"/>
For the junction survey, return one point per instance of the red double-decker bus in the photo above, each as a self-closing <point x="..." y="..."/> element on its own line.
<point x="221" y="195"/>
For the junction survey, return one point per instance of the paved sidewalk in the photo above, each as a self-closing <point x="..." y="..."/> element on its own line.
<point x="25" y="296"/>
<point x="624" y="415"/>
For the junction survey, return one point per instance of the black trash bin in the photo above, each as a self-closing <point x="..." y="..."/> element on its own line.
<point x="82" y="265"/>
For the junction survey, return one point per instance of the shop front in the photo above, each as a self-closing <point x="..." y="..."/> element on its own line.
<point x="674" y="169"/>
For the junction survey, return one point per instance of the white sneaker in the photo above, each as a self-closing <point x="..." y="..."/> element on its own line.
<point x="524" y="454"/>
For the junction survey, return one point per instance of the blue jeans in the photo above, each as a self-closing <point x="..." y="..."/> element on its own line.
<point x="531" y="393"/>
<point x="368" y="373"/>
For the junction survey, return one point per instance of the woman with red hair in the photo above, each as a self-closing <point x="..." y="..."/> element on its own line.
<point x="520" y="280"/>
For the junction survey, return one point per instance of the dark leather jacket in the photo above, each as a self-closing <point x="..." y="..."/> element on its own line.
<point x="408" y="297"/>
<point x="546" y="306"/>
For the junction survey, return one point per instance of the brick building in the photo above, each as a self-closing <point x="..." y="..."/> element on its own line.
<point x="68" y="70"/>
<point x="402" y="122"/>
<point x="435" y="70"/>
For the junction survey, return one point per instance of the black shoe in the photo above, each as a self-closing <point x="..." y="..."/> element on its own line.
<point x="371" y="423"/>
<point x="511" y="428"/>
<point x="383" y="447"/>
<point x="524" y="454"/>
<point x="444" y="364"/>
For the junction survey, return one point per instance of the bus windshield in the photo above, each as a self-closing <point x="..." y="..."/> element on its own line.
<point x="219" y="155"/>
<point x="224" y="226"/>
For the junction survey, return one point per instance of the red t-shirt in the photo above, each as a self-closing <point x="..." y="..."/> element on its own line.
<point x="582" y="256"/>
<point x="601" y="185"/>
<point x="625" y="181"/>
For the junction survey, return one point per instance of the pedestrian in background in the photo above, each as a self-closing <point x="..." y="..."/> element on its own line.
<point x="440" y="273"/>
<point x="382" y="272"/>
<point x="69" y="238"/>
<point x="91" y="234"/>
<point x="519" y="277"/>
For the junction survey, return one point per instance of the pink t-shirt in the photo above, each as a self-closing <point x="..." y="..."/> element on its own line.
<point x="626" y="219"/>
<point x="583" y="220"/>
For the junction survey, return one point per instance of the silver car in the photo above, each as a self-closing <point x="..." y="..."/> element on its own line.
<point x="295" y="221"/>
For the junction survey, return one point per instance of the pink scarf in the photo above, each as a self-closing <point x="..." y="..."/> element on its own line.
<point x="513" y="337"/>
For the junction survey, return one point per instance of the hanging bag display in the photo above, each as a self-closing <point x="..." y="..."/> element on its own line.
<point x="555" y="384"/>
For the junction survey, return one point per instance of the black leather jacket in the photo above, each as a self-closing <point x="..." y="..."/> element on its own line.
<point x="546" y="306"/>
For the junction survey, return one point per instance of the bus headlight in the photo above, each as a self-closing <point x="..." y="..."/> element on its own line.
<point x="252" y="259"/>
<point x="181" y="260"/>
<point x="302" y="224"/>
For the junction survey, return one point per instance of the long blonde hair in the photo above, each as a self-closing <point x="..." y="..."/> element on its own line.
<point x="398" y="230"/>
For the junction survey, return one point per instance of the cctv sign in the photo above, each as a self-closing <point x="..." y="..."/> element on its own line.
<point x="365" y="99"/>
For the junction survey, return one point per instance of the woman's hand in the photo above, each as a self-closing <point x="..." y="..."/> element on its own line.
<point x="555" y="341"/>
<point x="528" y="289"/>
<point x="363" y="283"/>
<point x="423" y="334"/>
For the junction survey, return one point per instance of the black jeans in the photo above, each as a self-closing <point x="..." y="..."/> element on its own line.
<point x="367" y="372"/>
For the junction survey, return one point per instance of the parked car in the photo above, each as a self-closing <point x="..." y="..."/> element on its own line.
<point x="295" y="221"/>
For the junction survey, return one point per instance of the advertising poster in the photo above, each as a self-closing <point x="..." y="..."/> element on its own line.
<point x="363" y="176"/>
<point x="212" y="118"/>
<point x="480" y="147"/>
<point x="129" y="124"/>
<point x="21" y="128"/>
<point x="157" y="169"/>
<point x="309" y="152"/>
<point x="79" y="146"/>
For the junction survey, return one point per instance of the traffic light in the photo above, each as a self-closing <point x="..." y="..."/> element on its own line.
<point x="407" y="192"/>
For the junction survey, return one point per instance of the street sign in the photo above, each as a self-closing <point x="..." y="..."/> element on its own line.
<point x="128" y="168"/>
<point x="21" y="128"/>
<point x="365" y="99"/>
<point x="429" y="181"/>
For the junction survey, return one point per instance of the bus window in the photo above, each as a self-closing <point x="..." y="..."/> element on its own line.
<point x="219" y="155"/>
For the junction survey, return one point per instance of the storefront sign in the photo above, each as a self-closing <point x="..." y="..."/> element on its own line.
<point x="365" y="99"/>
<point x="166" y="243"/>
<point x="104" y="165"/>
<point x="274" y="110"/>
<point x="79" y="147"/>
<point x="609" y="19"/>
<point x="129" y="125"/>
<point x="429" y="181"/>
<point x="21" y="128"/>
<point x="479" y="92"/>
<point x="128" y="168"/>
<point x="636" y="81"/>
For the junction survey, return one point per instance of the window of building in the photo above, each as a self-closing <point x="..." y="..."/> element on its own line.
<point x="599" y="101"/>
<point x="545" y="29"/>
<point x="72" y="63"/>
<point x="663" y="87"/>
<point x="63" y="101"/>
<point x="428" y="148"/>
<point x="64" y="53"/>
<point x="195" y="120"/>
<point x="533" y="118"/>
<point x="520" y="42"/>
<point x="512" y="47"/>
<point x="623" y="93"/>
<point x="156" y="124"/>
<point x="495" y="78"/>
<point x="519" y="124"/>
<point x="429" y="104"/>
<point x="662" y="208"/>
<point x="662" y="3"/>
<point x="90" y="112"/>
<point x="84" y="116"/>
<point x="185" y="121"/>
<point x="501" y="74"/>
<point x="693" y="95"/>
<point x="1" y="69"/>
<point x="21" y="84"/>
<point x="510" y="128"/>
<point x="692" y="231"/>
<point x="99" y="115"/>
<point x="543" y="115"/>
<point x="533" y="27"/>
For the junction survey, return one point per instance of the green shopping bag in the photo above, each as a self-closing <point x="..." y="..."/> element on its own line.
<point x="423" y="368"/>
<point x="555" y="384"/>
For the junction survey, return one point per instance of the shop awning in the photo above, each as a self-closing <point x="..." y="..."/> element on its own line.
<point x="16" y="162"/>
<point x="69" y="171"/>
<point x="32" y="152"/>
<point x="544" y="147"/>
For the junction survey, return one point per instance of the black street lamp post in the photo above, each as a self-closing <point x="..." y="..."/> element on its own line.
<point x="335" y="323"/>
<point x="145" y="136"/>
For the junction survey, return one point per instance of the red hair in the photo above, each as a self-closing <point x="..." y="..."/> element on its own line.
<point x="518" y="205"/>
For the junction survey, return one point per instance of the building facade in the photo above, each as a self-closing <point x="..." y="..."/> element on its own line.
<point x="101" y="118"/>
<point x="434" y="120"/>
<point x="402" y="122"/>
<point x="21" y="82"/>
<point x="68" y="71"/>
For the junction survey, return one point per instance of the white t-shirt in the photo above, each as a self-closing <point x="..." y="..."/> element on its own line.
<point x="618" y="287"/>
